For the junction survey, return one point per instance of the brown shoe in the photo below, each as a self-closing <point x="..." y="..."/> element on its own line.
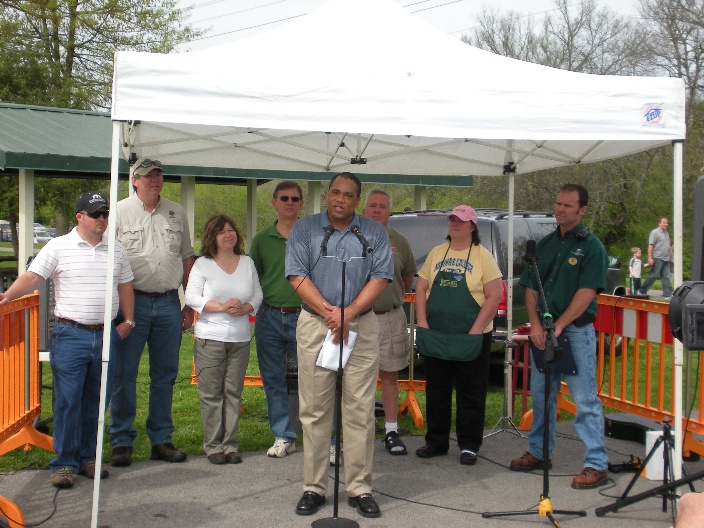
<point x="63" y="478"/>
<point x="590" y="478"/>
<point x="121" y="456"/>
<point x="88" y="470"/>
<point x="167" y="452"/>
<point x="528" y="462"/>
<point x="233" y="457"/>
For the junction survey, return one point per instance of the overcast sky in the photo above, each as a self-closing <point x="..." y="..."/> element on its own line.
<point x="235" y="19"/>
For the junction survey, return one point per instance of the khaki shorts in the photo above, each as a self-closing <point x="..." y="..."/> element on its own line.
<point x="394" y="346"/>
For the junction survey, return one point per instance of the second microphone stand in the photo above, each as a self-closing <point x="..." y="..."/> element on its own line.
<point x="552" y="353"/>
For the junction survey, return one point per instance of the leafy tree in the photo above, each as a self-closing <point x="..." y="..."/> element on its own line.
<point x="60" y="53"/>
<point x="69" y="45"/>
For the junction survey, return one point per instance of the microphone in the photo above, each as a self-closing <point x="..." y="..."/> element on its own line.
<point x="324" y="245"/>
<point x="358" y="233"/>
<point x="530" y="255"/>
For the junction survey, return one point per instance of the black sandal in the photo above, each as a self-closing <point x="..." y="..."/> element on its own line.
<point x="394" y="444"/>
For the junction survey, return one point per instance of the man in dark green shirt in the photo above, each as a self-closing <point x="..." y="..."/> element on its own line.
<point x="572" y="264"/>
<point x="275" y="327"/>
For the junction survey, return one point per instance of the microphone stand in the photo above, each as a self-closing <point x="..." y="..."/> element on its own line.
<point x="335" y="521"/>
<point x="552" y="352"/>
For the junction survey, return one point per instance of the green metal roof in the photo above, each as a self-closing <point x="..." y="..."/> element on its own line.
<point x="58" y="142"/>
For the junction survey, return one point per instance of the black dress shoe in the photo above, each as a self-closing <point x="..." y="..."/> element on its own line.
<point x="365" y="504"/>
<point x="428" y="451"/>
<point x="468" y="458"/>
<point x="309" y="503"/>
<point x="167" y="452"/>
<point x="217" y="458"/>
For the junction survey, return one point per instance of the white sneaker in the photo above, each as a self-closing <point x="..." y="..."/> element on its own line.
<point x="281" y="448"/>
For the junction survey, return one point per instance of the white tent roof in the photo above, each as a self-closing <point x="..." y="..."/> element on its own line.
<point x="367" y="79"/>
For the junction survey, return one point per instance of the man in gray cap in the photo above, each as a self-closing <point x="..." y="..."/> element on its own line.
<point x="155" y="234"/>
<point x="77" y="262"/>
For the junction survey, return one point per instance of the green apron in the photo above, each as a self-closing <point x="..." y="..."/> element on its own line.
<point x="451" y="312"/>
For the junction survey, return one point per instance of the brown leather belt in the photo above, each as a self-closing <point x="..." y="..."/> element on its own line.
<point x="283" y="309"/>
<point x="154" y="295"/>
<point x="80" y="325"/>
<point x="381" y="312"/>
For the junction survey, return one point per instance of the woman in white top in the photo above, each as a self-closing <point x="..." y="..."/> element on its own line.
<point x="223" y="288"/>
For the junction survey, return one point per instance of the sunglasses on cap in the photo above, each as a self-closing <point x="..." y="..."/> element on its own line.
<point x="147" y="163"/>
<point x="97" y="214"/>
<point x="294" y="199"/>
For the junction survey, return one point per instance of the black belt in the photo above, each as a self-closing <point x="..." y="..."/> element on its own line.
<point x="70" y="322"/>
<point x="310" y="310"/>
<point x="282" y="309"/>
<point x="154" y="295"/>
<point x="584" y="319"/>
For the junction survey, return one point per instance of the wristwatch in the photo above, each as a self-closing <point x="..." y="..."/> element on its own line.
<point x="131" y="323"/>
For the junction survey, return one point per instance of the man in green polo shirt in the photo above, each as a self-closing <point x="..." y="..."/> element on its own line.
<point x="275" y="327"/>
<point x="572" y="264"/>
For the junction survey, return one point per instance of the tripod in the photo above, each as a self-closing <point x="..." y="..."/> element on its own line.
<point x="667" y="490"/>
<point x="552" y="351"/>
<point x="505" y="423"/>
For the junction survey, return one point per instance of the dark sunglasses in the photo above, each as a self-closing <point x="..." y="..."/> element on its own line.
<point x="97" y="214"/>
<point x="148" y="163"/>
<point x="294" y="199"/>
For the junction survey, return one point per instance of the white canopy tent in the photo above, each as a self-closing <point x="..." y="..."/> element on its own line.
<point x="367" y="87"/>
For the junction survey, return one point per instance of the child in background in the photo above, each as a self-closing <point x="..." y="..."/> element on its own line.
<point x="635" y="266"/>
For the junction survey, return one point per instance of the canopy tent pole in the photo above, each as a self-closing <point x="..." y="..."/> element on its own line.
<point x="678" y="349"/>
<point x="107" y="320"/>
<point x="508" y="360"/>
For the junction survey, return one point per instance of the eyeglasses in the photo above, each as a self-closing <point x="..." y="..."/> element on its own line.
<point x="147" y="163"/>
<point x="294" y="199"/>
<point x="97" y="214"/>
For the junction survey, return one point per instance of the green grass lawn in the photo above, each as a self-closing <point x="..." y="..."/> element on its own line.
<point x="254" y="433"/>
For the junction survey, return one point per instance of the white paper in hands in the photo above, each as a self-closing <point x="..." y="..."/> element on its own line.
<point x="329" y="355"/>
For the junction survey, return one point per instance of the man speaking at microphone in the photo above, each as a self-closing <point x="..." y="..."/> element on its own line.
<point x="316" y="248"/>
<point x="572" y="264"/>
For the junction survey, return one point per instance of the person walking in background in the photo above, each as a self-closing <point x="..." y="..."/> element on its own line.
<point x="155" y="234"/>
<point x="457" y="294"/>
<point x="659" y="257"/>
<point x="572" y="264"/>
<point x="275" y="326"/>
<point x="317" y="279"/>
<point x="635" y="266"/>
<point x="77" y="262"/>
<point x="224" y="289"/>
<point x="394" y="346"/>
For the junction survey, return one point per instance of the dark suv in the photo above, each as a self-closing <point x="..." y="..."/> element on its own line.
<point x="427" y="229"/>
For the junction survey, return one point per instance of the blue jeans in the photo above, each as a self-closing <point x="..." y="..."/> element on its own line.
<point x="661" y="269"/>
<point x="76" y="365"/>
<point x="159" y="326"/>
<point x="275" y="334"/>
<point x="589" y="420"/>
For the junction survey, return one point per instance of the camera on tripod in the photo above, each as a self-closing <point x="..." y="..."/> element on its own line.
<point x="686" y="314"/>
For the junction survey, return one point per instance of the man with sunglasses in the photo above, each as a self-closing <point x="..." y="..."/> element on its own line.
<point x="275" y="327"/>
<point x="155" y="234"/>
<point x="77" y="263"/>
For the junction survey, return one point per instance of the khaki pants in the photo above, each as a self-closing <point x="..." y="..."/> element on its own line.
<point x="221" y="368"/>
<point x="316" y="392"/>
